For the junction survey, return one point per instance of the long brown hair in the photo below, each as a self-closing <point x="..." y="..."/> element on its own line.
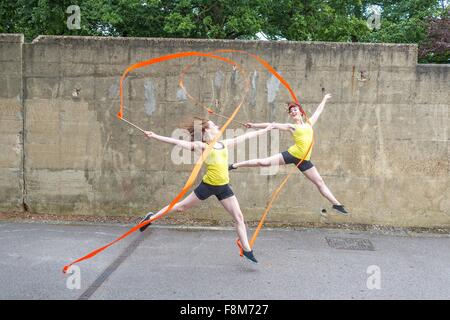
<point x="196" y="124"/>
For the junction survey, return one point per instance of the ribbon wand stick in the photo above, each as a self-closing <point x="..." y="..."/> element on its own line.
<point x="220" y="115"/>
<point x="132" y="124"/>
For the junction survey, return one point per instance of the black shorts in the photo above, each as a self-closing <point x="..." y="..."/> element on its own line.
<point x="204" y="191"/>
<point x="289" y="158"/>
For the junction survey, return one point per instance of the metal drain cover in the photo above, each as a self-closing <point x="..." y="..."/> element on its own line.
<point x="350" y="243"/>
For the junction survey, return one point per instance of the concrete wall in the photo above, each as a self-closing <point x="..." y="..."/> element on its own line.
<point x="11" y="123"/>
<point x="382" y="143"/>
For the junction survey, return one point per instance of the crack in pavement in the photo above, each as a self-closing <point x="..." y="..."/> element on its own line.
<point x="113" y="266"/>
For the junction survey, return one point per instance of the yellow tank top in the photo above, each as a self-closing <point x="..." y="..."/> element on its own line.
<point x="217" y="167"/>
<point x="302" y="135"/>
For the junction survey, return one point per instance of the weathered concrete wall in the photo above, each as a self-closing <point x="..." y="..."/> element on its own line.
<point x="11" y="122"/>
<point x="382" y="142"/>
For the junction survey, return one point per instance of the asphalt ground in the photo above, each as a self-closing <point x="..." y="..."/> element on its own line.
<point x="195" y="263"/>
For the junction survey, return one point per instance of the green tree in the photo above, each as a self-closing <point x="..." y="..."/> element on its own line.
<point x="225" y="19"/>
<point x="404" y="21"/>
<point x="314" y="20"/>
<point x="425" y="22"/>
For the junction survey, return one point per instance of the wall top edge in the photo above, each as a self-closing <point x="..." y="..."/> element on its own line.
<point x="11" y="37"/>
<point x="57" y="39"/>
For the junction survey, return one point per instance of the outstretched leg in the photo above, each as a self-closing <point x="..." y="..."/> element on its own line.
<point x="265" y="162"/>
<point x="190" y="201"/>
<point x="231" y="204"/>
<point x="313" y="175"/>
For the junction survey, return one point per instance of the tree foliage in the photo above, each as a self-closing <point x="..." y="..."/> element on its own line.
<point x="436" y="47"/>
<point x="424" y="22"/>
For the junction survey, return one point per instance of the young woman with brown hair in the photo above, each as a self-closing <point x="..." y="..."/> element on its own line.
<point x="216" y="180"/>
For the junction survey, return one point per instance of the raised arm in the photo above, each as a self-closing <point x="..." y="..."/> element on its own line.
<point x="319" y="109"/>
<point x="182" y="143"/>
<point x="248" y="135"/>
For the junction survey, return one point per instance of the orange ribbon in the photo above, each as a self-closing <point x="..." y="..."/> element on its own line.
<point x="205" y="153"/>
<point x="199" y="162"/>
<point x="277" y="191"/>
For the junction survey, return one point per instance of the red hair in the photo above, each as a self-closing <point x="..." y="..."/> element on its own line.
<point x="293" y="104"/>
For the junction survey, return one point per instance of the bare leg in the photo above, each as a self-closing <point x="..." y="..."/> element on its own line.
<point x="190" y="201"/>
<point x="313" y="175"/>
<point x="265" y="162"/>
<point x="231" y="204"/>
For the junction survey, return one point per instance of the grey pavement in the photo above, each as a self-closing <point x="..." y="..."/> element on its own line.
<point x="167" y="262"/>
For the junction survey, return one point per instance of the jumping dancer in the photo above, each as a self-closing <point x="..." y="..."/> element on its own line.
<point x="215" y="181"/>
<point x="302" y="134"/>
